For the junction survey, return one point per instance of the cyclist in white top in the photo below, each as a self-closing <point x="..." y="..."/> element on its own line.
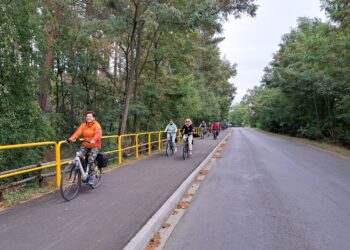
<point x="171" y="130"/>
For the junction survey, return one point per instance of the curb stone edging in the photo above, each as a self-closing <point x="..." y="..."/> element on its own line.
<point x="152" y="226"/>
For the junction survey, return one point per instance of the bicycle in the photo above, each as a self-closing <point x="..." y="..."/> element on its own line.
<point x="215" y="134"/>
<point x="74" y="174"/>
<point x="170" y="147"/>
<point x="202" y="133"/>
<point x="186" y="148"/>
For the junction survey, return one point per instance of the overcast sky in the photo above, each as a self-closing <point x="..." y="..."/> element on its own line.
<point x="250" y="42"/>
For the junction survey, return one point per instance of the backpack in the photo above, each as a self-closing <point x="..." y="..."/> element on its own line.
<point x="102" y="160"/>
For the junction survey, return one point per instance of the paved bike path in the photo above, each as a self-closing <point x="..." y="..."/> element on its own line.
<point x="104" y="218"/>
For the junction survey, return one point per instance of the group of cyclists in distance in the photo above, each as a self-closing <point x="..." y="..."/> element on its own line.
<point x="187" y="131"/>
<point x="91" y="132"/>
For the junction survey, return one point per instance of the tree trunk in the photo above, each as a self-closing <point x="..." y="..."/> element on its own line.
<point x="137" y="74"/>
<point x="50" y="27"/>
<point x="134" y="65"/>
<point x="316" y="110"/>
<point x="123" y="88"/>
<point x="115" y="65"/>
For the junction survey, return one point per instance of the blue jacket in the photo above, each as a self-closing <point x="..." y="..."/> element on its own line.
<point x="171" y="128"/>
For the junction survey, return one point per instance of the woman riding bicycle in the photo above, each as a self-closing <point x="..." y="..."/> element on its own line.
<point x="187" y="132"/>
<point x="171" y="130"/>
<point x="92" y="132"/>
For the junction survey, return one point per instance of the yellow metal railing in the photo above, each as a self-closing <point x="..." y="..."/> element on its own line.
<point x="37" y="144"/>
<point x="160" y="138"/>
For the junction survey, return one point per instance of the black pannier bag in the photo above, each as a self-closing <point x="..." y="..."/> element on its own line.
<point x="102" y="160"/>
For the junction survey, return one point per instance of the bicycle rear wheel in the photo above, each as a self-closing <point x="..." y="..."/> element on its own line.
<point x="96" y="175"/>
<point x="70" y="182"/>
<point x="185" y="152"/>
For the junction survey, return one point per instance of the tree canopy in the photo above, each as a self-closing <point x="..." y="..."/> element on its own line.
<point x="136" y="63"/>
<point x="305" y="89"/>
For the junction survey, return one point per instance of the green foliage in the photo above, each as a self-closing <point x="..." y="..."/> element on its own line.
<point x="239" y="115"/>
<point x="306" y="86"/>
<point x="22" y="121"/>
<point x="338" y="10"/>
<point x="75" y="56"/>
<point x="310" y="132"/>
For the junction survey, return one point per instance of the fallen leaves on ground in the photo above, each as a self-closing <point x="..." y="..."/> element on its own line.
<point x="154" y="242"/>
<point x="166" y="225"/>
<point x="203" y="172"/>
<point x="188" y="195"/>
<point x="197" y="181"/>
<point x="182" y="205"/>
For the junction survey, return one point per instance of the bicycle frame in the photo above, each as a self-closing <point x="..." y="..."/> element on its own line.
<point x="76" y="160"/>
<point x="186" y="143"/>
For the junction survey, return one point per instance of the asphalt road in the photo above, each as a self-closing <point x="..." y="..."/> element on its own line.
<point x="104" y="218"/>
<point x="268" y="193"/>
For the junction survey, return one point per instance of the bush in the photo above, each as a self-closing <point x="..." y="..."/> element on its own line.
<point x="343" y="135"/>
<point x="310" y="132"/>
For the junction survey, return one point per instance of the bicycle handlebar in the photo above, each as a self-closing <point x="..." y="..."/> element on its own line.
<point x="79" y="142"/>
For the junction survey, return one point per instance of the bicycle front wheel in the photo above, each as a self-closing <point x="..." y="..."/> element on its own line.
<point x="185" y="152"/>
<point x="70" y="182"/>
<point x="167" y="149"/>
<point x="96" y="175"/>
<point x="172" y="148"/>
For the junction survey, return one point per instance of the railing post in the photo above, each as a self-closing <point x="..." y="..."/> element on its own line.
<point x="137" y="146"/>
<point x="149" y="143"/>
<point x="58" y="164"/>
<point x="159" y="140"/>
<point x="120" y="149"/>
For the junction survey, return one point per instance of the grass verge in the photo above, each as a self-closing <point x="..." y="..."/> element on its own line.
<point x="316" y="144"/>
<point x="23" y="193"/>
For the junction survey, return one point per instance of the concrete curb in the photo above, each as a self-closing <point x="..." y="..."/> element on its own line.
<point x="152" y="226"/>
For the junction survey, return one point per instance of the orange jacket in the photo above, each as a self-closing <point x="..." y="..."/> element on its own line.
<point x="91" y="131"/>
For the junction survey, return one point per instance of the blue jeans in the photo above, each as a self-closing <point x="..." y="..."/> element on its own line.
<point x="173" y="136"/>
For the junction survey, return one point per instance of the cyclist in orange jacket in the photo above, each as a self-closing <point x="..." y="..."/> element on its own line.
<point x="91" y="131"/>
